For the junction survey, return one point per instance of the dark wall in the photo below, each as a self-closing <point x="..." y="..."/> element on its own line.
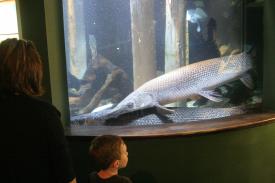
<point x="41" y="21"/>
<point x="240" y="156"/>
<point x="244" y="155"/>
<point x="269" y="54"/>
<point x="32" y="26"/>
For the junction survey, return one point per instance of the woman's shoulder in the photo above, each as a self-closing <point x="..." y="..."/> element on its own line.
<point x="37" y="105"/>
<point x="47" y="112"/>
<point x="43" y="105"/>
<point x="26" y="102"/>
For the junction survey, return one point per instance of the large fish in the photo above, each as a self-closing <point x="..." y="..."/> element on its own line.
<point x="200" y="78"/>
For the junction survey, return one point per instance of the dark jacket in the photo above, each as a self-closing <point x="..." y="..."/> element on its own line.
<point x="94" y="178"/>
<point x="32" y="141"/>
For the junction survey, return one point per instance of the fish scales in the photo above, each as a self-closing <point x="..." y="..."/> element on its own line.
<point x="195" y="79"/>
<point x="185" y="115"/>
<point x="181" y="115"/>
<point x="183" y="82"/>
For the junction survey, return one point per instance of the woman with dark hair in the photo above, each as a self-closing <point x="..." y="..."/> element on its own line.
<point x="32" y="140"/>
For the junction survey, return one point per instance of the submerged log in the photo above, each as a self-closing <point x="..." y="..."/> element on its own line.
<point x="143" y="41"/>
<point x="175" y="37"/>
<point x="174" y="34"/>
<point x="94" y="102"/>
<point x="76" y="47"/>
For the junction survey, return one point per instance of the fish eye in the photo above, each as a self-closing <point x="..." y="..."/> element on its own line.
<point x="130" y="105"/>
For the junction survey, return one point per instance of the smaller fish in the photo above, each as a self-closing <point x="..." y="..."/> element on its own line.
<point x="151" y="117"/>
<point x="180" y="115"/>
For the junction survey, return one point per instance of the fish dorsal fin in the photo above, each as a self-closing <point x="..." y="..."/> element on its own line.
<point x="247" y="81"/>
<point x="223" y="64"/>
<point x="211" y="95"/>
<point x="163" y="110"/>
<point x="226" y="65"/>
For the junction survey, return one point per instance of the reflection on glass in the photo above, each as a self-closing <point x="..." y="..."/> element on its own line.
<point x="114" y="47"/>
<point x="8" y="20"/>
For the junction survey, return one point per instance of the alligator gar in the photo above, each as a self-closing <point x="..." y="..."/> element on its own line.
<point x="199" y="78"/>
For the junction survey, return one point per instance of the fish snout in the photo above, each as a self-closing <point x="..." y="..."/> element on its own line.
<point x="108" y="113"/>
<point x="101" y="115"/>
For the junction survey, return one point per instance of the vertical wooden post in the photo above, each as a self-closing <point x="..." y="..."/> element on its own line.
<point x="76" y="39"/>
<point x="143" y="41"/>
<point x="175" y="36"/>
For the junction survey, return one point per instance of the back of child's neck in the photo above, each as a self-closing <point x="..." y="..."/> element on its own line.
<point x="105" y="174"/>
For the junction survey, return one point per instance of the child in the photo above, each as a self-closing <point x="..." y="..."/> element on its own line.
<point x="110" y="154"/>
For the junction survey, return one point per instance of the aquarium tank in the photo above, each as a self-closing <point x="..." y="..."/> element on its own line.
<point x="149" y="62"/>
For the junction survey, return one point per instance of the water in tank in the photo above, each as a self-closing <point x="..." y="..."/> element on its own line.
<point x="146" y="62"/>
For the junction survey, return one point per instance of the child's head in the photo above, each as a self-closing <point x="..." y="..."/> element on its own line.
<point x="109" y="151"/>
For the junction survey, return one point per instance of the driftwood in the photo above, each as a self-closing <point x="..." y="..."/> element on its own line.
<point x="98" y="96"/>
<point x="102" y="80"/>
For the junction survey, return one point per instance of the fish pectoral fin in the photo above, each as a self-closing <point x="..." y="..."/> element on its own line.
<point x="211" y="95"/>
<point x="247" y="81"/>
<point x="163" y="110"/>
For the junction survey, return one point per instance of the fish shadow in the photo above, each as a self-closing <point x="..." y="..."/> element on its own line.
<point x="140" y="117"/>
